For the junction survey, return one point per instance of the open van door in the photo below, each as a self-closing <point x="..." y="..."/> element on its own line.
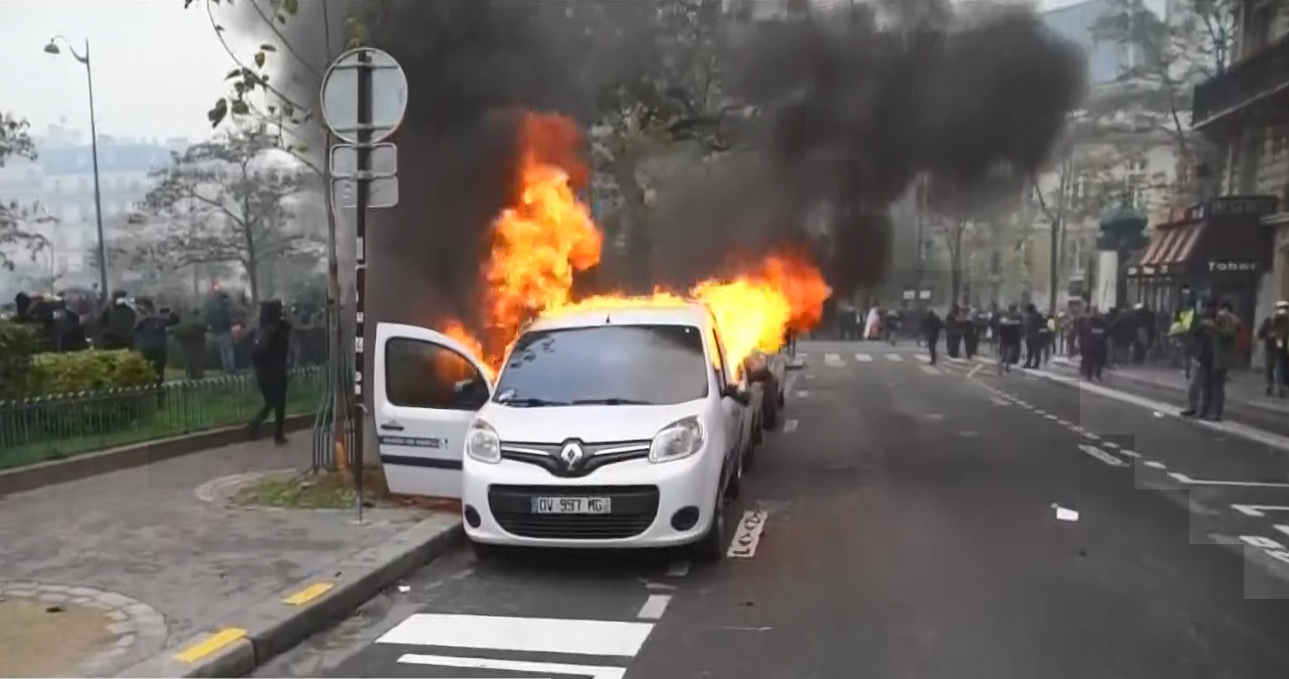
<point x="427" y="390"/>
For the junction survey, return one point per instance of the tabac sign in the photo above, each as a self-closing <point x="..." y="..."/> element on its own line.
<point x="1231" y="266"/>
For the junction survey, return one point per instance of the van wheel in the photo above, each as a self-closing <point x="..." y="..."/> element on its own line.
<point x="735" y="486"/>
<point x="709" y="548"/>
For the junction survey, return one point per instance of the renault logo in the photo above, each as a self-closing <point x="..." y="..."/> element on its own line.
<point x="571" y="454"/>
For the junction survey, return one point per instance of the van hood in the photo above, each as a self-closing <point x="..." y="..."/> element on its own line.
<point x="589" y="424"/>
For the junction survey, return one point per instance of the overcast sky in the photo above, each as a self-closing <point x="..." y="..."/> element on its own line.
<point x="157" y="67"/>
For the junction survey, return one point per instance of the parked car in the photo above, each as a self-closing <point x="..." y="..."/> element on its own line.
<point x="612" y="428"/>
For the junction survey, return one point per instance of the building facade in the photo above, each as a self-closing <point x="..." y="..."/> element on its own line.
<point x="60" y="185"/>
<point x="1244" y="110"/>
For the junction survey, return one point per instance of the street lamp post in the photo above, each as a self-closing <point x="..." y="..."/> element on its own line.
<point x="84" y="59"/>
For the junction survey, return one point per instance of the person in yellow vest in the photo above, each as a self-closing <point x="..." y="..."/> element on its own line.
<point x="1180" y="330"/>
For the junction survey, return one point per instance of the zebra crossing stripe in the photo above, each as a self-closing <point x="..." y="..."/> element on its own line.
<point x="930" y="370"/>
<point x="864" y="358"/>
<point x="541" y="668"/>
<point x="894" y="358"/>
<point x="924" y="358"/>
<point x="524" y="635"/>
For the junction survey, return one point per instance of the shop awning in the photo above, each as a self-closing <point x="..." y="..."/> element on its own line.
<point x="1170" y="249"/>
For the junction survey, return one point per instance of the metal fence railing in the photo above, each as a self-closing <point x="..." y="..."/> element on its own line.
<point x="58" y="426"/>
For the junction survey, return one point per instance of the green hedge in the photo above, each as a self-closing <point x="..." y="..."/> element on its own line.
<point x="18" y="343"/>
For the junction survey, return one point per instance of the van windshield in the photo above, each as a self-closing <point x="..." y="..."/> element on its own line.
<point x="605" y="365"/>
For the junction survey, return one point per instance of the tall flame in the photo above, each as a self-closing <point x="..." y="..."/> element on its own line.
<point x="548" y="236"/>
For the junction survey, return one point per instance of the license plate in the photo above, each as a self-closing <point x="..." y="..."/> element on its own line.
<point x="571" y="505"/>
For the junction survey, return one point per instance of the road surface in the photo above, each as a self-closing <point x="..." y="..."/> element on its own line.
<point x="919" y="522"/>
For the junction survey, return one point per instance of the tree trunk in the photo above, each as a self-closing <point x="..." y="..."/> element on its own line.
<point x="1054" y="274"/>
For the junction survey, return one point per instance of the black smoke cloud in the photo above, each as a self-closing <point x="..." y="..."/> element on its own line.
<point x="850" y="117"/>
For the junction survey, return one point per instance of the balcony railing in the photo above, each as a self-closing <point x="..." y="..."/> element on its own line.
<point x="1256" y="78"/>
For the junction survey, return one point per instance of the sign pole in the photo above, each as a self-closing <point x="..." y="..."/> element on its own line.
<point x="360" y="275"/>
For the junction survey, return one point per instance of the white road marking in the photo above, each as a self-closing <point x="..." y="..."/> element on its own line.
<point x="833" y="360"/>
<point x="803" y="393"/>
<point x="1258" y="510"/>
<point x="810" y="376"/>
<point x="1090" y="436"/>
<point x="1128" y="453"/>
<point x="1109" y="444"/>
<point x="748" y="534"/>
<point x="654" y="607"/>
<point x="1063" y="514"/>
<point x="1160" y="410"/>
<point x="999" y="402"/>
<point x="1154" y="465"/>
<point x="1102" y="455"/>
<point x="864" y="358"/>
<point x="1182" y="478"/>
<point x="929" y="369"/>
<point x="973" y="371"/>
<point x="894" y="358"/>
<point x="924" y="358"/>
<point x="589" y="671"/>
<point x="789" y="426"/>
<point x="1051" y="417"/>
<point x="1282" y="528"/>
<point x="536" y="635"/>
<point x="1268" y="546"/>
<point x="679" y="569"/>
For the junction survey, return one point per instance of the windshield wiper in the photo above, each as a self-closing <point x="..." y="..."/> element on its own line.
<point x="531" y="403"/>
<point x="612" y="402"/>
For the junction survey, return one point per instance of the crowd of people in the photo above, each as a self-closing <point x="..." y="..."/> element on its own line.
<point x="139" y="324"/>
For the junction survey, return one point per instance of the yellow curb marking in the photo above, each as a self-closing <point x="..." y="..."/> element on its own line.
<point x="212" y="644"/>
<point x="309" y="593"/>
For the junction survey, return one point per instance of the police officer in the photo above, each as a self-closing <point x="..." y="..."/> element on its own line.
<point x="1095" y="343"/>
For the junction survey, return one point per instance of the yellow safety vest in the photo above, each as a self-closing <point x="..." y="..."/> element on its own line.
<point x="1183" y="324"/>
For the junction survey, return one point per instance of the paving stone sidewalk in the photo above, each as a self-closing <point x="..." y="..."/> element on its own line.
<point x="158" y="554"/>
<point x="1244" y="386"/>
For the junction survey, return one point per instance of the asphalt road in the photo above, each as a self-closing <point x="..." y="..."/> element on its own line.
<point x="920" y="523"/>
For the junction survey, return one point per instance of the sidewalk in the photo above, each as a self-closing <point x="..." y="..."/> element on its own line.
<point x="99" y="574"/>
<point x="1244" y="386"/>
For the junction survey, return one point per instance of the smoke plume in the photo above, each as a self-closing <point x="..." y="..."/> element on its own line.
<point x="854" y="107"/>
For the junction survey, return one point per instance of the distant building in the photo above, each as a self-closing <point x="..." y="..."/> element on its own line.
<point x="61" y="183"/>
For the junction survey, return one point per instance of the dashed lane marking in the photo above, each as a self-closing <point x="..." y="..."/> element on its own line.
<point x="1182" y="478"/>
<point x="864" y="358"/>
<point x="833" y="360"/>
<point x="1097" y="453"/>
<point x="654" y="607"/>
<point x="525" y="635"/>
<point x="1258" y="510"/>
<point x="803" y="393"/>
<point x="894" y="358"/>
<point x="789" y="426"/>
<point x="1154" y="465"/>
<point x="999" y="402"/>
<point x="748" y="534"/>
<point x="1129" y="453"/>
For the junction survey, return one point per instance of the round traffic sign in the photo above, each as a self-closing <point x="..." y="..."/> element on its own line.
<point x="340" y="94"/>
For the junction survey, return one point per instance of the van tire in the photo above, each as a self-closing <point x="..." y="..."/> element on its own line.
<point x="709" y="548"/>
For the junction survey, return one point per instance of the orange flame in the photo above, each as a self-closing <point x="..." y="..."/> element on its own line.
<point x="548" y="236"/>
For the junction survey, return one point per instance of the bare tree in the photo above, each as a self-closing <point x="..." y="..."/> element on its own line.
<point x="15" y="219"/>
<point x="236" y="191"/>
<point x="1170" y="55"/>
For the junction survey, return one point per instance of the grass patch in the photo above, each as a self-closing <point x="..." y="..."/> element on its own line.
<point x="327" y="490"/>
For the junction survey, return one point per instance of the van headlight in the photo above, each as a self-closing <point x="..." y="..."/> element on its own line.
<point x="482" y="442"/>
<point x="678" y="440"/>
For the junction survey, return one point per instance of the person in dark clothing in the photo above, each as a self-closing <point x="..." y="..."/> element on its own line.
<point x="1274" y="333"/>
<point x="269" y="358"/>
<point x="22" y="308"/>
<point x="1033" y="324"/>
<point x="150" y="336"/>
<point x="1214" y="355"/>
<point x="67" y="333"/>
<point x="1095" y="342"/>
<point x="931" y="326"/>
<point x="971" y="329"/>
<point x="953" y="331"/>
<point x="116" y="323"/>
<point x="1009" y="337"/>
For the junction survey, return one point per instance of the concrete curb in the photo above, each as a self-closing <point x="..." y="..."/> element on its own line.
<point x="43" y="474"/>
<point x="255" y="635"/>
